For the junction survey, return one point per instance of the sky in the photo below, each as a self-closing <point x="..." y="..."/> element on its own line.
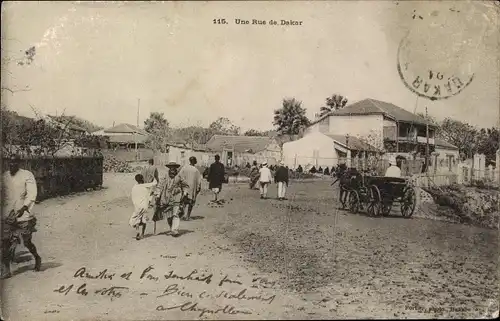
<point x="100" y="61"/>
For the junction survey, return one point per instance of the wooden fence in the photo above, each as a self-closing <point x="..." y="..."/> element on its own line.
<point x="57" y="176"/>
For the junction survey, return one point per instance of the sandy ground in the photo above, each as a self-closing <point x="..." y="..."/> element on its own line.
<point x="251" y="259"/>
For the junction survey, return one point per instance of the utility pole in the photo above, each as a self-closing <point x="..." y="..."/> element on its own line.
<point x="427" y="145"/>
<point x="135" y="134"/>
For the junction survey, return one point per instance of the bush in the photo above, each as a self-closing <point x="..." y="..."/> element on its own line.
<point x="114" y="165"/>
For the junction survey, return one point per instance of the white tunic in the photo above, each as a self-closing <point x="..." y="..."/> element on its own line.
<point x="141" y="195"/>
<point x="393" y="171"/>
<point x="265" y="175"/>
<point x="20" y="190"/>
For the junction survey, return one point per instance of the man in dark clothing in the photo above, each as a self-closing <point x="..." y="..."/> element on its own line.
<point x="215" y="177"/>
<point x="281" y="178"/>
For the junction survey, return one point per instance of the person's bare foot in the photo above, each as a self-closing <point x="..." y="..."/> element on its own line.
<point x="175" y="233"/>
<point x="137" y="237"/>
<point x="38" y="264"/>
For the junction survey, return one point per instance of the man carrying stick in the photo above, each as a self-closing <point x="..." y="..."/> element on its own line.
<point x="169" y="196"/>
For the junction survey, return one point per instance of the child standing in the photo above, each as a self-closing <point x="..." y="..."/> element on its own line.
<point x="141" y="196"/>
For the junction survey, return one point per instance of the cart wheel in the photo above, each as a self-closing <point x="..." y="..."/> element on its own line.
<point x="374" y="206"/>
<point x="353" y="202"/>
<point x="408" y="202"/>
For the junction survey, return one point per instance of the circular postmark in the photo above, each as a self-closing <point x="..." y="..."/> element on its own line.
<point x="436" y="60"/>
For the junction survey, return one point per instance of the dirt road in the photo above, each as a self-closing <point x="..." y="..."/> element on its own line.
<point x="252" y="259"/>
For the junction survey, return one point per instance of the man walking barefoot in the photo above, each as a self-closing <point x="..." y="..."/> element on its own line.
<point x="18" y="199"/>
<point x="191" y="175"/>
<point x="169" y="194"/>
<point x="141" y="196"/>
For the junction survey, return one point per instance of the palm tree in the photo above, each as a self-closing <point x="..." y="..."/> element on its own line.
<point x="333" y="103"/>
<point x="291" y="118"/>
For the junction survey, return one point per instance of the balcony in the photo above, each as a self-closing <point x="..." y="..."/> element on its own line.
<point x="390" y="135"/>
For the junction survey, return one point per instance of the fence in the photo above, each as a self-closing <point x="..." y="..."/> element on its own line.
<point x="64" y="175"/>
<point x="129" y="155"/>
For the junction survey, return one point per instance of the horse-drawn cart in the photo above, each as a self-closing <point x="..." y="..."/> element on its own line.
<point x="379" y="193"/>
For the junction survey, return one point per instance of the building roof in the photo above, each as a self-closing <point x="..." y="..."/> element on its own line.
<point x="354" y="143"/>
<point x="376" y="107"/>
<point x="125" y="129"/>
<point x="128" y="139"/>
<point x="241" y="144"/>
<point x="442" y="143"/>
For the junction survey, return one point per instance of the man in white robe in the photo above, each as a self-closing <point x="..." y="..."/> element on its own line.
<point x="141" y="197"/>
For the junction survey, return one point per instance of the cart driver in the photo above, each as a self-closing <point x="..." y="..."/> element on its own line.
<point x="393" y="170"/>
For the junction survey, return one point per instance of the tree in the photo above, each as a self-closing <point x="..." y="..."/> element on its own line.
<point x="223" y="126"/>
<point x="291" y="118"/>
<point x="488" y="143"/>
<point x="333" y="103"/>
<point x="254" y="132"/>
<point x="157" y="127"/>
<point x="460" y="134"/>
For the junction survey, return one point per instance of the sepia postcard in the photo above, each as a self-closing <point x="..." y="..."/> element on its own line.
<point x="250" y="160"/>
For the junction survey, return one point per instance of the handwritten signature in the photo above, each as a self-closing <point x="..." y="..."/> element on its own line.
<point x="194" y="307"/>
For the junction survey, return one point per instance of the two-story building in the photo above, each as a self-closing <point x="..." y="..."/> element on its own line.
<point x="384" y="125"/>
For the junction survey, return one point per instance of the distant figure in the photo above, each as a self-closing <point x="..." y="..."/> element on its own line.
<point x="150" y="172"/>
<point x="248" y="165"/>
<point x="281" y="178"/>
<point x="215" y="177"/>
<point x="313" y="170"/>
<point x="264" y="179"/>
<point x="326" y="171"/>
<point x="141" y="196"/>
<point x="300" y="169"/>
<point x="191" y="175"/>
<point x="320" y="170"/>
<point x="393" y="170"/>
<point x="254" y="175"/>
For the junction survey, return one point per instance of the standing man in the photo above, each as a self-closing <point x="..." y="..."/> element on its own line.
<point x="18" y="199"/>
<point x="191" y="175"/>
<point x="215" y="177"/>
<point x="169" y="195"/>
<point x="281" y="177"/>
<point x="150" y="172"/>
<point x="254" y="175"/>
<point x="264" y="179"/>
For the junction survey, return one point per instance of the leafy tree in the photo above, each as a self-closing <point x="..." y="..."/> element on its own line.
<point x="80" y="122"/>
<point x="460" y="134"/>
<point x="333" y="103"/>
<point x="254" y="132"/>
<point x="291" y="118"/>
<point x="157" y="127"/>
<point x="489" y="143"/>
<point x="223" y="126"/>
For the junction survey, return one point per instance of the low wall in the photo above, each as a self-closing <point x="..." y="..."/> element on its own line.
<point x="57" y="176"/>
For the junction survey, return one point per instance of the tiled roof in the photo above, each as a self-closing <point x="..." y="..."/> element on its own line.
<point x="128" y="139"/>
<point x="376" y="107"/>
<point x="125" y="129"/>
<point x="442" y="143"/>
<point x="354" y="143"/>
<point x="241" y="144"/>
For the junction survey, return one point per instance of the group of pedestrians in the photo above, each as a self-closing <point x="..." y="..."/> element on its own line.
<point x="172" y="197"/>
<point x="264" y="177"/>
